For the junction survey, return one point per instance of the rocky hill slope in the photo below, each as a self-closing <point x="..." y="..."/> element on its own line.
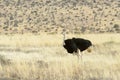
<point x="52" y="16"/>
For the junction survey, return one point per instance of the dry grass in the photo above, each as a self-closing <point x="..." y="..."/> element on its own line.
<point x="26" y="40"/>
<point x="42" y="57"/>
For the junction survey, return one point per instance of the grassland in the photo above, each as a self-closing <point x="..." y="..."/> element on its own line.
<point x="42" y="57"/>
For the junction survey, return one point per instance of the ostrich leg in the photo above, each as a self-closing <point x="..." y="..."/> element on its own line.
<point x="79" y="54"/>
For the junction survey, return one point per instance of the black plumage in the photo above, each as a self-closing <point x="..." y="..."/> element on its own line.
<point x="72" y="45"/>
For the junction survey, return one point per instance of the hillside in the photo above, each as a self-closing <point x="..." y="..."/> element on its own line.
<point x="51" y="16"/>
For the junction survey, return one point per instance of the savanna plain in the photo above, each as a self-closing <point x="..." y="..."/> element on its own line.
<point x="42" y="57"/>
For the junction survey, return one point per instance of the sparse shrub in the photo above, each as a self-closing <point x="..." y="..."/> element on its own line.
<point x="83" y="29"/>
<point x="3" y="60"/>
<point x="111" y="23"/>
<point x="42" y="64"/>
<point x="15" y="23"/>
<point x="116" y="27"/>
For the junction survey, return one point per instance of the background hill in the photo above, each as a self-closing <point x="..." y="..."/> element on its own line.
<point x="51" y="16"/>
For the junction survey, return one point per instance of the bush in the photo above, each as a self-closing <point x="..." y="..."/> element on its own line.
<point x="116" y="27"/>
<point x="3" y="60"/>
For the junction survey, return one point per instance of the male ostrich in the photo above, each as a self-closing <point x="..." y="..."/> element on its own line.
<point x="76" y="45"/>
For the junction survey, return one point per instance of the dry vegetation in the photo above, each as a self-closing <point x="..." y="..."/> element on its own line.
<point x="50" y="16"/>
<point x="31" y="40"/>
<point x="42" y="57"/>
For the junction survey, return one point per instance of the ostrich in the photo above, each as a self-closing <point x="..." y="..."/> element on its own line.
<point x="76" y="45"/>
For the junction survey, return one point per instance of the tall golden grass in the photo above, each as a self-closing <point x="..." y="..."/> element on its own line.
<point x="42" y="57"/>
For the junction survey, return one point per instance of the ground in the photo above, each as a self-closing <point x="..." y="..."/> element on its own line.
<point x="42" y="57"/>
